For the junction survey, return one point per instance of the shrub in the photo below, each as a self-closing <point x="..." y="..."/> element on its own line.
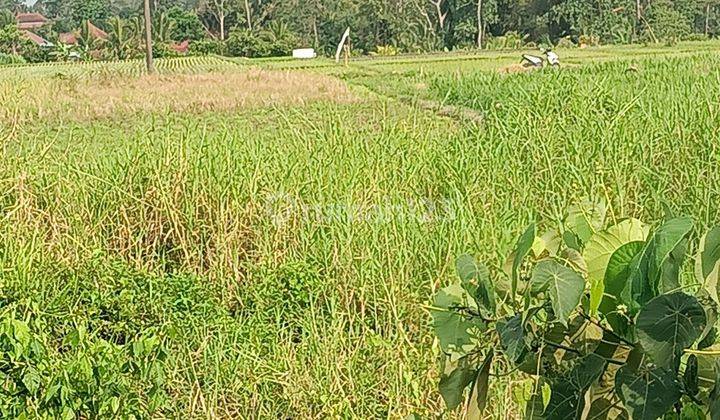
<point x="588" y="41"/>
<point x="385" y="51"/>
<point x="245" y="43"/>
<point x="207" y="47"/>
<point x="668" y="24"/>
<point x="163" y="50"/>
<point x="11" y="59"/>
<point x="275" y="42"/>
<point x="511" y="40"/>
<point x="695" y="37"/>
<point x="186" y="25"/>
<point x="85" y="376"/>
<point x="565" y="42"/>
<point x="583" y="306"/>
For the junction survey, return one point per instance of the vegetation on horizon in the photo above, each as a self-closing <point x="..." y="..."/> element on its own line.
<point x="386" y="27"/>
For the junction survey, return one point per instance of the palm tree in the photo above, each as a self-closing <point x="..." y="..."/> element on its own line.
<point x="6" y="19"/>
<point x="163" y="28"/>
<point x="63" y="52"/>
<point x="86" y="41"/>
<point x="121" y="38"/>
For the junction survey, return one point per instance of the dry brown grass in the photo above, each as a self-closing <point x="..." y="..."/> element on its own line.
<point x="86" y="99"/>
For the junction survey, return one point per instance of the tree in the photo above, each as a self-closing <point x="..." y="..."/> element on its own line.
<point x="92" y="10"/>
<point x="10" y="37"/>
<point x="121" y="38"/>
<point x="707" y="9"/>
<point x="186" y="25"/>
<point x="219" y="11"/>
<point x="11" y="5"/>
<point x="667" y="21"/>
<point x="163" y="28"/>
<point x="7" y="18"/>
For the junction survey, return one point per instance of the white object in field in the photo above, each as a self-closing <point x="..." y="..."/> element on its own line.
<point x="553" y="58"/>
<point x="340" y="45"/>
<point x="532" y="60"/>
<point x="304" y="53"/>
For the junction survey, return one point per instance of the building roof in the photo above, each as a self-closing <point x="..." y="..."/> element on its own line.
<point x="96" y="32"/>
<point x="181" y="48"/>
<point x="30" y="20"/>
<point x="30" y="17"/>
<point x="67" y="38"/>
<point x="71" y="38"/>
<point x="37" y="39"/>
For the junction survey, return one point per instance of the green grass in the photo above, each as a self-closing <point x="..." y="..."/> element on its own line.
<point x="164" y="225"/>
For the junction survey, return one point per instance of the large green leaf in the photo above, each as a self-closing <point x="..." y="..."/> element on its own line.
<point x="657" y="269"/>
<point x="601" y="247"/>
<point x="567" y="400"/>
<point x="616" y="273"/>
<point x="456" y="378"/>
<point x="616" y="277"/>
<point x="552" y="240"/>
<point x="469" y="270"/>
<point x="707" y="263"/>
<point x="534" y="408"/>
<point x="574" y="259"/>
<point x="647" y="393"/>
<point x="523" y="246"/>
<point x="690" y="376"/>
<point x="585" y="218"/>
<point x="638" y="289"/>
<point x="604" y="409"/>
<point x="580" y="336"/>
<point x="478" y="397"/>
<point x="667" y="247"/>
<point x="512" y="337"/>
<point x="669" y="324"/>
<point x="456" y="331"/>
<point x="475" y="279"/>
<point x="563" y="284"/>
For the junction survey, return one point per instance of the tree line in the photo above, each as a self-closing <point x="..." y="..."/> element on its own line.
<point x="273" y="27"/>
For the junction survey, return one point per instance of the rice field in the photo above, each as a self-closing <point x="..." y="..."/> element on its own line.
<point x="131" y="68"/>
<point x="250" y="240"/>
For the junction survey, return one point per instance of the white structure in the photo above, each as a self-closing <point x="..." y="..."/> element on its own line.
<point x="304" y="53"/>
<point x="552" y="58"/>
<point x="532" y="60"/>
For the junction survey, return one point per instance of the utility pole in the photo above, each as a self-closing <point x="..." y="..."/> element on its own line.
<point x="148" y="39"/>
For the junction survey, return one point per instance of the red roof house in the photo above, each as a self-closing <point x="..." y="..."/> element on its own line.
<point x="181" y="48"/>
<point x="71" y="38"/>
<point x="96" y="32"/>
<point x="27" y="21"/>
<point x="36" y="39"/>
<point x="68" y="38"/>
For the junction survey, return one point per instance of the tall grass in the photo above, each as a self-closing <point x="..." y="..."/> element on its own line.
<point x="254" y="241"/>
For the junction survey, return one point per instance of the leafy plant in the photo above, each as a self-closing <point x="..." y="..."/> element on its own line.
<point x="122" y="39"/>
<point x="384" y="51"/>
<point x="87" y="377"/>
<point x="596" y="313"/>
<point x="11" y="59"/>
